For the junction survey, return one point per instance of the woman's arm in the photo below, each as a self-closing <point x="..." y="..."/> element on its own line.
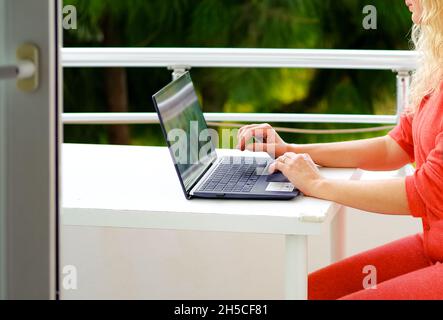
<point x="387" y="196"/>
<point x="377" y="154"/>
<point x="384" y="196"/>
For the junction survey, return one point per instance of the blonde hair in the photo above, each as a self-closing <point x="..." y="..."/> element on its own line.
<point x="427" y="38"/>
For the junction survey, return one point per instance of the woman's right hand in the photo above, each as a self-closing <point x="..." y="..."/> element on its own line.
<point x="266" y="140"/>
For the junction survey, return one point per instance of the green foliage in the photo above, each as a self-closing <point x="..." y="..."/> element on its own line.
<point x="239" y="23"/>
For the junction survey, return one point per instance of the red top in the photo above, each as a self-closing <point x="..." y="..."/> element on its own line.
<point x="421" y="136"/>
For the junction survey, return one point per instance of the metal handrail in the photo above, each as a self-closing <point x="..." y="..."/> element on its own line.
<point x="181" y="59"/>
<point x="152" y="118"/>
<point x="240" y="58"/>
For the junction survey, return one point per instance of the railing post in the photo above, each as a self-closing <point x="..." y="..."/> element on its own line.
<point x="403" y="86"/>
<point x="178" y="71"/>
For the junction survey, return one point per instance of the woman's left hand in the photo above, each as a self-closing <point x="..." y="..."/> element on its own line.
<point x="300" y="170"/>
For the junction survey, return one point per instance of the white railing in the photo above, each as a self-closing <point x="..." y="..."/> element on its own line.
<point x="151" y="118"/>
<point x="180" y="59"/>
<point x="239" y="58"/>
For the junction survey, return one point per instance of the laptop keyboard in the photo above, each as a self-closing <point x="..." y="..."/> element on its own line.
<point x="234" y="175"/>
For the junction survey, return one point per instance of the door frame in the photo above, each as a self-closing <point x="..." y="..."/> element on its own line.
<point x="2" y="168"/>
<point x="31" y="161"/>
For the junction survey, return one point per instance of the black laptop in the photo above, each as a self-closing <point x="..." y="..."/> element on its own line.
<point x="201" y="172"/>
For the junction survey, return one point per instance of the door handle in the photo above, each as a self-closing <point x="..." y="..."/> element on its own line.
<point x="23" y="69"/>
<point x="25" y="72"/>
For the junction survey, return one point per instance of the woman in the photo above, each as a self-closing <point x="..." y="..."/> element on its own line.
<point x="409" y="268"/>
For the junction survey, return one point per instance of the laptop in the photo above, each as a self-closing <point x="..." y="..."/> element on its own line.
<point x="201" y="172"/>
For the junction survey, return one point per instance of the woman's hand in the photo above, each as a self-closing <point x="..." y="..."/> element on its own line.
<point x="267" y="140"/>
<point x="387" y="196"/>
<point x="301" y="171"/>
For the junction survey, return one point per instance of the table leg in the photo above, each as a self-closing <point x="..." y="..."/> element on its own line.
<point x="338" y="236"/>
<point x="296" y="273"/>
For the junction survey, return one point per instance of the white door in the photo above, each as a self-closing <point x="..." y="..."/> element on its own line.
<point x="29" y="133"/>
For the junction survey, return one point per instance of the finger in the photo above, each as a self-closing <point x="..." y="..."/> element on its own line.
<point x="263" y="131"/>
<point x="280" y="161"/>
<point x="278" y="166"/>
<point x="244" y="138"/>
<point x="260" y="132"/>
<point x="247" y="127"/>
<point x="257" y="147"/>
<point x="291" y="155"/>
<point x="272" y="168"/>
<point x="302" y="157"/>
<point x="303" y="161"/>
<point x="249" y="134"/>
<point x="244" y="132"/>
<point x="281" y="158"/>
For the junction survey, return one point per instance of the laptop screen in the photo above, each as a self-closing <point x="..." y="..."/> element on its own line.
<point x="185" y="130"/>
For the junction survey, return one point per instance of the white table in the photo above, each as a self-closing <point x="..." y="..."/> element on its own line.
<point x="137" y="187"/>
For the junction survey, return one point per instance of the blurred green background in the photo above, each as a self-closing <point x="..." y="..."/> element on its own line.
<point x="315" y="24"/>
